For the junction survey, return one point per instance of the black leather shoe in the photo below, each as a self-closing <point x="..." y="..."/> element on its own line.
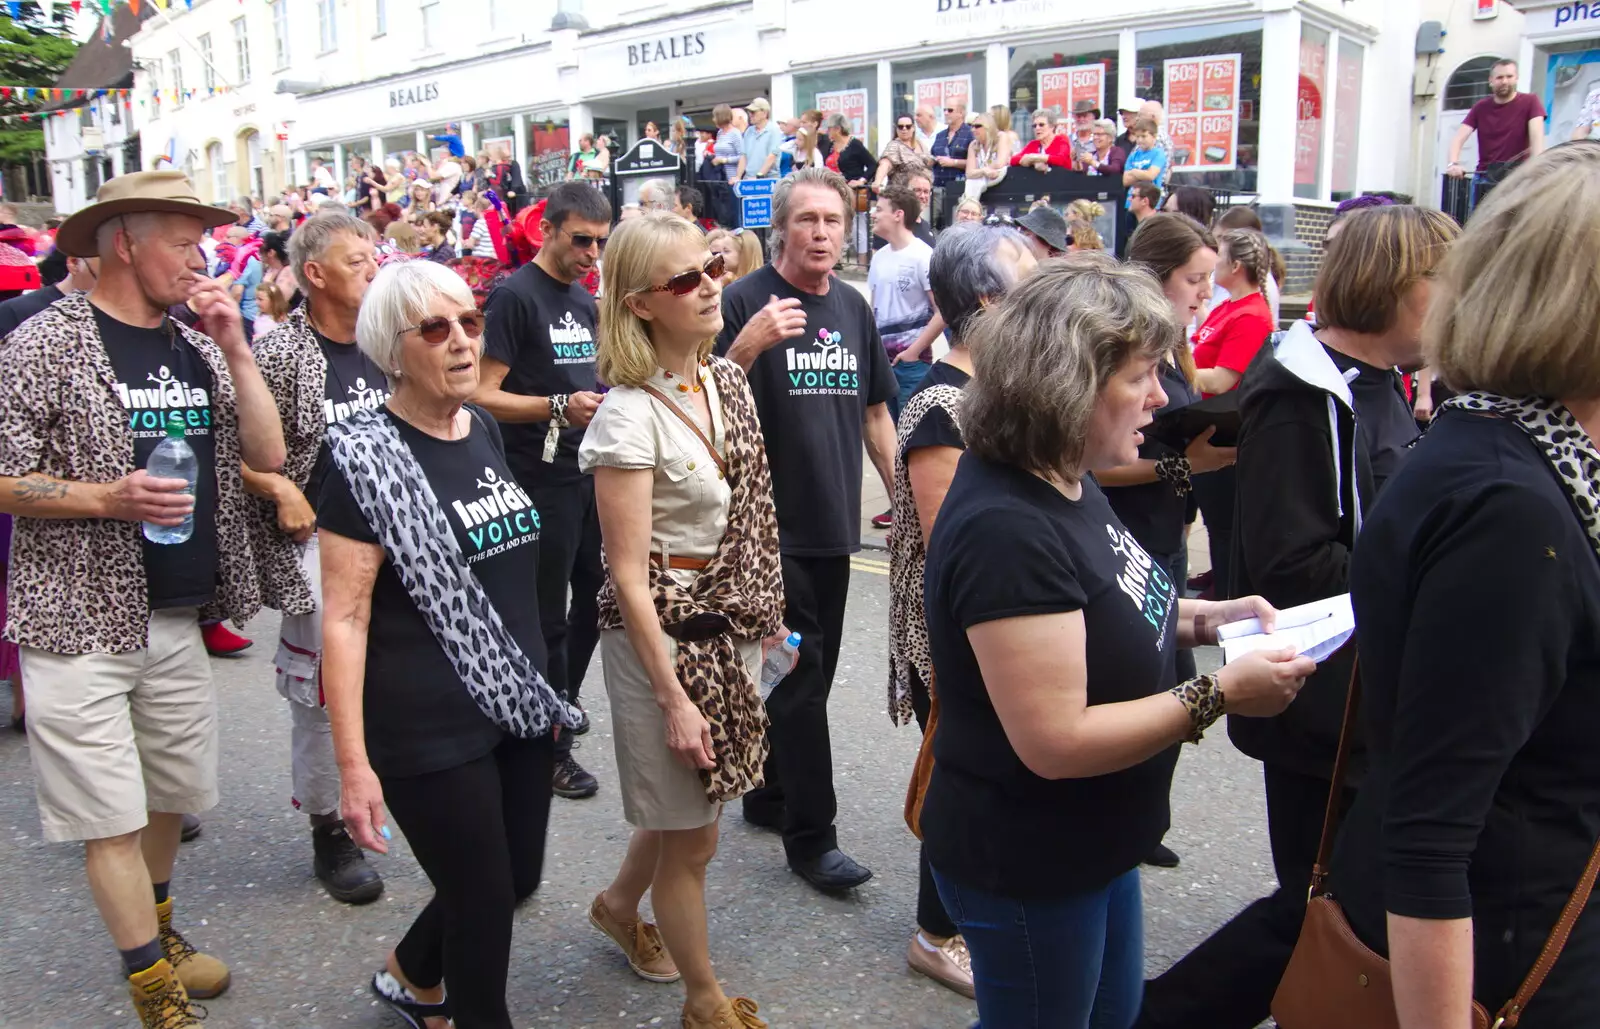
<point x="191" y="828"/>
<point x="583" y="726"/>
<point x="1162" y="857"/>
<point x="832" y="871"/>
<point x="341" y="867"/>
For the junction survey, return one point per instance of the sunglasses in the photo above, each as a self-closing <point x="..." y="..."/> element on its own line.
<point x="904" y="125"/>
<point x="583" y="241"/>
<point x="436" y="330"/>
<point x="950" y="110"/>
<point x="684" y="283"/>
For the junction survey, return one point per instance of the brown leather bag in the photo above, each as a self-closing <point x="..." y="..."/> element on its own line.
<point x="922" y="771"/>
<point x="1334" y="980"/>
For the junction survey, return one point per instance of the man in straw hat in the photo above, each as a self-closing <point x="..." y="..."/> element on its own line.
<point x="121" y="706"/>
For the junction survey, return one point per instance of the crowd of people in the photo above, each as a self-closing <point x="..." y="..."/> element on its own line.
<point x="664" y="431"/>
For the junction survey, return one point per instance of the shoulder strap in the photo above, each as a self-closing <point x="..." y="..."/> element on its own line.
<point x="1511" y="1013"/>
<point x="722" y="466"/>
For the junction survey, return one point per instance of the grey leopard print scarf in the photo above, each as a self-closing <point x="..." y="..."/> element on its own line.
<point x="393" y="493"/>
<point x="1569" y="450"/>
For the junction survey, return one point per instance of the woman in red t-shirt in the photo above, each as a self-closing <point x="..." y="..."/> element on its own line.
<point x="1235" y="330"/>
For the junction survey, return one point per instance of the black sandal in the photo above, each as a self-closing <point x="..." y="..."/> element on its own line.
<point x="394" y="993"/>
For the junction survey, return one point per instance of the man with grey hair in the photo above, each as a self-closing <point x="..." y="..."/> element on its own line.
<point x="927" y="127"/>
<point x="821" y="382"/>
<point x="318" y="377"/>
<point x="121" y="704"/>
<point x="656" y="195"/>
<point x="950" y="147"/>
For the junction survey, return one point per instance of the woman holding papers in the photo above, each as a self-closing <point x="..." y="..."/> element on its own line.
<point x="1477" y="591"/>
<point x="1324" y="423"/>
<point x="1053" y="634"/>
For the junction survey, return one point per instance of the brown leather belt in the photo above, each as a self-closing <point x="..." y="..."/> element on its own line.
<point x="687" y="564"/>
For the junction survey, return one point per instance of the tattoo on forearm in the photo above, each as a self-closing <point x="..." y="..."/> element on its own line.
<point x="36" y="487"/>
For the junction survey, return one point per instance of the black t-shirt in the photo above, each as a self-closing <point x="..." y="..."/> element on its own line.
<point x="544" y="331"/>
<point x="812" y="393"/>
<point x="1153" y="511"/>
<point x="936" y="429"/>
<point x="159" y="375"/>
<point x="353" y="384"/>
<point x="419" y="716"/>
<point x="1008" y="545"/>
<point x="19" y="309"/>
<point x="1383" y="415"/>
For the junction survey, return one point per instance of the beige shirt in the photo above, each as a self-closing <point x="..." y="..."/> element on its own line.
<point x="689" y="498"/>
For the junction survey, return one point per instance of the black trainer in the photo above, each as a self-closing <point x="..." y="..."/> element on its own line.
<point x="583" y="726"/>
<point x="572" y="782"/>
<point x="341" y="867"/>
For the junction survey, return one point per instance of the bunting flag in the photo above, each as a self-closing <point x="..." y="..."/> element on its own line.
<point x="105" y="7"/>
<point x="134" y="4"/>
<point x="15" y="7"/>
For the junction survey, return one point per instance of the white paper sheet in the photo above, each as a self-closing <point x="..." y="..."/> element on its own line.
<point x="1315" y="630"/>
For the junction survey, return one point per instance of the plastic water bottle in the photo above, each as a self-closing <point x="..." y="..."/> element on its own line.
<point x="173" y="459"/>
<point x="779" y="663"/>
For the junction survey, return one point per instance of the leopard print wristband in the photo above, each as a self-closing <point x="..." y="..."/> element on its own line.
<point x="558" y="421"/>
<point x="1202" y="698"/>
<point x="1174" y="469"/>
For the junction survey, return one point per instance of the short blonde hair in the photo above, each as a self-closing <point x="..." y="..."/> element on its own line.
<point x="1517" y="307"/>
<point x="1042" y="354"/>
<point x="1374" y="261"/>
<point x="399" y="298"/>
<point x="626" y="354"/>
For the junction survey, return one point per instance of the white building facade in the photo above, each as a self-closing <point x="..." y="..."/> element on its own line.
<point x="84" y="146"/>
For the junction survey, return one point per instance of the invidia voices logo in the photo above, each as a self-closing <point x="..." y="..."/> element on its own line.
<point x="572" y="342"/>
<point x="825" y="368"/>
<point x="150" y="407"/>
<point x="502" y="517"/>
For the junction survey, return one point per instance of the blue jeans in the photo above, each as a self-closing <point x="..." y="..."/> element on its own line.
<point x="909" y="375"/>
<point x="1073" y="963"/>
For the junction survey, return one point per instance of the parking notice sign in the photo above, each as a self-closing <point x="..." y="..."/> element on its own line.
<point x="755" y="202"/>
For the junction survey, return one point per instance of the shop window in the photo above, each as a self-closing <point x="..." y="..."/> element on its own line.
<point x="1058" y="75"/>
<point x="852" y="92"/>
<point x="492" y="134"/>
<point x="1310" y="104"/>
<point x="939" y="82"/>
<point x="549" y="150"/>
<point x="1347" y="115"/>
<point x="1469" y="84"/>
<point x="1208" y="80"/>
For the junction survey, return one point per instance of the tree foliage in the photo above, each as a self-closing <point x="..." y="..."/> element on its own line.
<point x="34" y="51"/>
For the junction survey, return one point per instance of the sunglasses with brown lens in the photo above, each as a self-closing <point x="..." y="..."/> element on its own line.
<point x="436" y="330"/>
<point x="684" y="283"/>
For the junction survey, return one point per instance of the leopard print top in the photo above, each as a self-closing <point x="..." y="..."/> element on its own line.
<point x="743" y="583"/>
<point x="295" y="371"/>
<point x="78" y="585"/>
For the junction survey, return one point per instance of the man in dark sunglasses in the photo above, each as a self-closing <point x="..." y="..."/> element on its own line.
<point x="538" y="380"/>
<point x="950" y="147"/>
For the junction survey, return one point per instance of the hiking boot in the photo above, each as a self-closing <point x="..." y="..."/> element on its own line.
<point x="202" y="975"/>
<point x="160" y="1000"/>
<point x="735" y="1013"/>
<point x="947" y="963"/>
<point x="572" y="782"/>
<point x="341" y="867"/>
<point x="640" y="942"/>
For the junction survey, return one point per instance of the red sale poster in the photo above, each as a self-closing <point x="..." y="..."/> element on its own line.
<point x="1202" y="102"/>
<point x="1062" y="88"/>
<point x="1185" y="132"/>
<point x="1183" y="87"/>
<point x="1219" y="83"/>
<point x="1217" y="135"/>
<point x="1308" y="110"/>
<point x="852" y="103"/>
<point x="941" y="93"/>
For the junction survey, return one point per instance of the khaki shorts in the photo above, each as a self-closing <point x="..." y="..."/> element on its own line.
<point x="114" y="736"/>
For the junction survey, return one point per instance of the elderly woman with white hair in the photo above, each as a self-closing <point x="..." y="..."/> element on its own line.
<point x="432" y="651"/>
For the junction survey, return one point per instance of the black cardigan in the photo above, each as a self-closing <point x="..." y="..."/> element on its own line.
<point x="1477" y="601"/>
<point x="855" y="161"/>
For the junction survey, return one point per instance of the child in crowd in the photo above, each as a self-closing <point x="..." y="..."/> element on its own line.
<point x="1148" y="162"/>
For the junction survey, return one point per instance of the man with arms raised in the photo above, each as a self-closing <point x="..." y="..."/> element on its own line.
<point x="121" y="706"/>
<point x="318" y="377"/>
<point x="538" y="380"/>
<point x="821" y="382"/>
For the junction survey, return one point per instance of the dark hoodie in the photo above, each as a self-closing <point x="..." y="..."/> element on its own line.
<point x="1303" y="483"/>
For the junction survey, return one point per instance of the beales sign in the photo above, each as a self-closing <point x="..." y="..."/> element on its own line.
<point x="670" y="48"/>
<point x="629" y="62"/>
<point x="415" y="93"/>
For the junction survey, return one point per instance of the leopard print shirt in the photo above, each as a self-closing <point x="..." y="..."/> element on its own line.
<point x="77" y="585"/>
<point x="296" y="372"/>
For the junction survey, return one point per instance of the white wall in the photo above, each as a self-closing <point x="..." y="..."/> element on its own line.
<point x="65" y="150"/>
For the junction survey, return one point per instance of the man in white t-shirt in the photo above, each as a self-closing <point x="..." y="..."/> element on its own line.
<point x="321" y="177"/>
<point x="446" y="176"/>
<point x="902" y="303"/>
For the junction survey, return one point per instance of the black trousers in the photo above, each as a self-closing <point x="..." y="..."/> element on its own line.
<point x="569" y="560"/>
<point x="478" y="831"/>
<point x="799" y="792"/>
<point x="931" y="915"/>
<point x="1214" y="492"/>
<point x="1227" y="982"/>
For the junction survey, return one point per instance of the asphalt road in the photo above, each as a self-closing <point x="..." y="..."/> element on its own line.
<point x="244" y="890"/>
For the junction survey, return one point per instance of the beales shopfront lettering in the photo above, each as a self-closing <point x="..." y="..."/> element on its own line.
<point x="418" y="93"/>
<point x="669" y="48"/>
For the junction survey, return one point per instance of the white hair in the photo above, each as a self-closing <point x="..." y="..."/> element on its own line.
<point x="397" y="300"/>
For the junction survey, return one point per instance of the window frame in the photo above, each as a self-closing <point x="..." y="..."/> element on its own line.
<point x="327" y="26"/>
<point x="380" y="18"/>
<point x="241" y="48"/>
<point x="208" y="60"/>
<point x="176" y="58"/>
<point x="281" y="54"/>
<point x="427" y="9"/>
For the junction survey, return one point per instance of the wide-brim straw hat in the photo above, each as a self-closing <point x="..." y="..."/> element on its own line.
<point x="152" y="192"/>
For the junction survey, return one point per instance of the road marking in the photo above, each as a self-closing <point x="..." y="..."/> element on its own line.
<point x="867" y="564"/>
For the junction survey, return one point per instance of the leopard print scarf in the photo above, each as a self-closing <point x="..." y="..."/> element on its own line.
<point x="1572" y="455"/>
<point x="393" y="493"/>
<point x="744" y="584"/>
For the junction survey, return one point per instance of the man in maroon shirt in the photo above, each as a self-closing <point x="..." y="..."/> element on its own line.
<point x="1510" y="126"/>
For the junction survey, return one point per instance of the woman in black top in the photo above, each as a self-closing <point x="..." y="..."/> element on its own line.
<point x="855" y="161"/>
<point x="1052" y="635"/>
<point x="971" y="267"/>
<point x="432" y="680"/>
<point x="1481" y="804"/>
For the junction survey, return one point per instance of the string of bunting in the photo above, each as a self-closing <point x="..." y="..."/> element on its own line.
<point x="14" y="7"/>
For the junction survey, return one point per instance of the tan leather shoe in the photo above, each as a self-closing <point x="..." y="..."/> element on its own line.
<point x="640" y="941"/>
<point x="159" y="998"/>
<point x="947" y="963"/>
<point x="202" y="975"/>
<point x="735" y="1013"/>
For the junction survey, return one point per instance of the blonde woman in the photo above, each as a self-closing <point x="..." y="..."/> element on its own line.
<point x="969" y="210"/>
<point x="693" y="587"/>
<point x="1081" y="216"/>
<point x="807" y="149"/>
<point x="987" y="159"/>
<point x="721" y="243"/>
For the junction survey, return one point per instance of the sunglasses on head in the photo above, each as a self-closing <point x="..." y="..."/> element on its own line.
<point x="684" y="283"/>
<point x="583" y="241"/>
<point x="436" y="329"/>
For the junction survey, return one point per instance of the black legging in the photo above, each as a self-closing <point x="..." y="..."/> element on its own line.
<point x="478" y="831"/>
<point x="931" y="915"/>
